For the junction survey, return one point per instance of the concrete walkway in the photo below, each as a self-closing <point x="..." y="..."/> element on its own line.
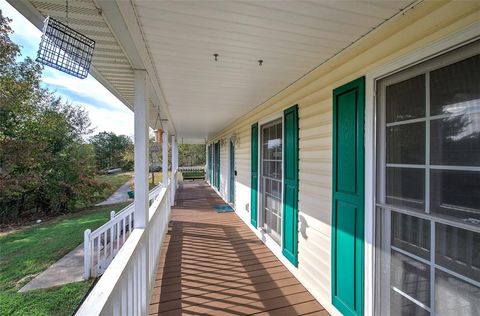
<point x="69" y="269"/>
<point x="119" y="196"/>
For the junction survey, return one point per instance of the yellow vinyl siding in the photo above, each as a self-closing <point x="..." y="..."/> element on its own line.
<point x="427" y="22"/>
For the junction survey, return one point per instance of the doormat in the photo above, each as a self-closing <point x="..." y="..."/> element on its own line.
<point x="223" y="208"/>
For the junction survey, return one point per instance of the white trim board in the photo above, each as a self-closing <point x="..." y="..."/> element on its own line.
<point x="441" y="46"/>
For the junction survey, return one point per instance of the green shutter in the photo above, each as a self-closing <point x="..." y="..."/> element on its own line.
<point x="290" y="185"/>
<point x="217" y="165"/>
<point x="210" y="163"/>
<point x="348" y="197"/>
<point x="254" y="175"/>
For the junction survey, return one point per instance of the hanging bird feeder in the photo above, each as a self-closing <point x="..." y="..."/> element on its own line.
<point x="159" y="136"/>
<point x="65" y="49"/>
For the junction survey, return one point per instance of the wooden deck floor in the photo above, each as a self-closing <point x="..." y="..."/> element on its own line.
<point x="213" y="264"/>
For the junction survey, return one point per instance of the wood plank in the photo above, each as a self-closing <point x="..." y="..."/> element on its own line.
<point x="213" y="264"/>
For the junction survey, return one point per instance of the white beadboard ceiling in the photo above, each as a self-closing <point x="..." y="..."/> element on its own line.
<point x="291" y="37"/>
<point x="203" y="96"/>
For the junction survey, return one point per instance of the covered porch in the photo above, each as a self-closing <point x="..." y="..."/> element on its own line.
<point x="290" y="98"/>
<point x="212" y="263"/>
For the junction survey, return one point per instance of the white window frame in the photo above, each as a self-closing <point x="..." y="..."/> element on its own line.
<point x="460" y="38"/>
<point x="271" y="243"/>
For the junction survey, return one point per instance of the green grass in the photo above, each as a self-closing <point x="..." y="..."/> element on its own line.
<point x="157" y="179"/>
<point x="29" y="251"/>
<point x="57" y="301"/>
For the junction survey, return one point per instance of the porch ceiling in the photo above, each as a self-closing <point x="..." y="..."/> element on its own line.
<point x="202" y="96"/>
<point x="291" y="37"/>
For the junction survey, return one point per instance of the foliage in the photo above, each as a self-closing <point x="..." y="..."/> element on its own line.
<point x="113" y="151"/>
<point x="45" y="166"/>
<point x="191" y="155"/>
<point x="21" y="258"/>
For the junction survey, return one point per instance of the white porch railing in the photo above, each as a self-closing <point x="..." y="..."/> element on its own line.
<point x="101" y="245"/>
<point x="125" y="287"/>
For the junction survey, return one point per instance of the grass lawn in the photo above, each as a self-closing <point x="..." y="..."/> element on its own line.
<point x="157" y="179"/>
<point x="29" y="251"/>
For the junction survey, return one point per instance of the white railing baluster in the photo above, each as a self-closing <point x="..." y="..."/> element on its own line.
<point x="124" y="292"/>
<point x="98" y="255"/>
<point x="111" y="241"/>
<point x="111" y="236"/>
<point x="86" y="254"/>
<point x="125" y="288"/>
<point x="117" y="228"/>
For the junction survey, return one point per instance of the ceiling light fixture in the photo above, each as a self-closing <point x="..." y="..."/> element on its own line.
<point x="260" y="62"/>
<point x="216" y="56"/>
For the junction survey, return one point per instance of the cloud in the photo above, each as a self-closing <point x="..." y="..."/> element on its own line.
<point x="81" y="90"/>
<point x="118" y="122"/>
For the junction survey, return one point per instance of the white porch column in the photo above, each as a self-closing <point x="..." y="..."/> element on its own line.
<point x="141" y="149"/>
<point x="165" y="158"/>
<point x="176" y="156"/>
<point x="174" y="169"/>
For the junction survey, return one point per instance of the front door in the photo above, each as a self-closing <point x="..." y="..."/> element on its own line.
<point x="348" y="197"/>
<point x="271" y="179"/>
<point x="232" y="173"/>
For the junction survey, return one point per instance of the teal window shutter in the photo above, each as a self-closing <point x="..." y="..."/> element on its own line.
<point x="210" y="163"/>
<point x="217" y="165"/>
<point x="254" y="175"/>
<point x="290" y="185"/>
<point x="348" y="197"/>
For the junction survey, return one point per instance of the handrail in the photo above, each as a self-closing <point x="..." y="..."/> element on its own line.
<point x="101" y="245"/>
<point x="126" y="285"/>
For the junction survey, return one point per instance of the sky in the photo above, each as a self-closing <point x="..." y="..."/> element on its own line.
<point x="106" y="112"/>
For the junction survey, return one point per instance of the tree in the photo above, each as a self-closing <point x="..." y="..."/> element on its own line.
<point x="112" y="151"/>
<point x="45" y="166"/>
<point x="191" y="155"/>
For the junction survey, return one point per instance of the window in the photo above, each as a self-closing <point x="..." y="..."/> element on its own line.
<point x="271" y="179"/>
<point x="428" y="187"/>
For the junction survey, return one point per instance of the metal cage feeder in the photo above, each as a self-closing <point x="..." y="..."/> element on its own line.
<point x="65" y="49"/>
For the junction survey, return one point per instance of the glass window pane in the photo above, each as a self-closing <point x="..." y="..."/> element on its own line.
<point x="454" y="296"/>
<point x="401" y="306"/>
<point x="411" y="234"/>
<point x="406" y="187"/>
<point x="406" y="100"/>
<point x="456" y="193"/>
<point x="455" y="87"/>
<point x="272" y="169"/>
<point x="458" y="250"/>
<point x="410" y="277"/>
<point x="455" y="140"/>
<point x="406" y="143"/>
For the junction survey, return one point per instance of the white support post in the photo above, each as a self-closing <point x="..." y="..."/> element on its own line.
<point x="86" y="254"/>
<point x="141" y="130"/>
<point x="176" y="156"/>
<point x="165" y="159"/>
<point x="172" y="179"/>
<point x="141" y="149"/>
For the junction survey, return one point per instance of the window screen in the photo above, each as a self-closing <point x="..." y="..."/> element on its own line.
<point x="428" y="187"/>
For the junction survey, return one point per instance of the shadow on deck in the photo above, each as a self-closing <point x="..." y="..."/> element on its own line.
<point x="213" y="264"/>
